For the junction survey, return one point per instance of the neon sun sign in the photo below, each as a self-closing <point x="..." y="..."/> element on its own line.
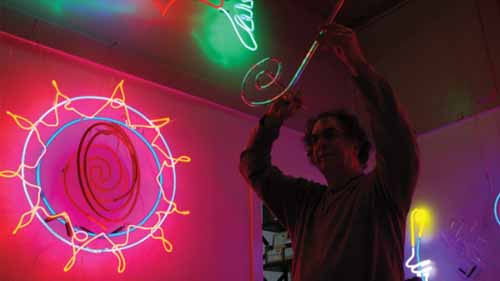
<point x="77" y="236"/>
<point x="242" y="23"/>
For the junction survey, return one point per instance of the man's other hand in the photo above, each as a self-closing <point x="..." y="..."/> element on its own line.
<point x="283" y="108"/>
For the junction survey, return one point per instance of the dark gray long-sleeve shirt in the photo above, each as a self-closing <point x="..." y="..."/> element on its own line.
<point x="357" y="232"/>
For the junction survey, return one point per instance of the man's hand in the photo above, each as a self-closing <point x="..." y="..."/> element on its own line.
<point x="283" y="108"/>
<point x="344" y="42"/>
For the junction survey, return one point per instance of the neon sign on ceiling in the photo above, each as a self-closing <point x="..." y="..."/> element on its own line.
<point x="95" y="172"/>
<point x="242" y="21"/>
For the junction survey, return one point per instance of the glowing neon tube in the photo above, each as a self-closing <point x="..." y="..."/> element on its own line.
<point x="249" y="76"/>
<point x="421" y="268"/>
<point x="495" y="209"/>
<point x="244" y="20"/>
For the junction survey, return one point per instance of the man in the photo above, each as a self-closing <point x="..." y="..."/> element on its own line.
<point x="354" y="228"/>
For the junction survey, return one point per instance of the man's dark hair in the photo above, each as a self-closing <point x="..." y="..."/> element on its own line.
<point x="352" y="129"/>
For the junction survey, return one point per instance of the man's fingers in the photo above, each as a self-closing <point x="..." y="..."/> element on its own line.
<point x="285" y="106"/>
<point x="291" y="96"/>
<point x="340" y="27"/>
<point x="338" y="39"/>
<point x="291" y="102"/>
<point x="336" y="27"/>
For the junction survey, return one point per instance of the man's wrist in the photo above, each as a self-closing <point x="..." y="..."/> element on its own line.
<point x="363" y="69"/>
<point x="269" y="122"/>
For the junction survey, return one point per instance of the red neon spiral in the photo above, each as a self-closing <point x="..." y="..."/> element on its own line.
<point x="94" y="172"/>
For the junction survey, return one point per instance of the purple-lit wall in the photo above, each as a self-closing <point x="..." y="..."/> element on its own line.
<point x="459" y="181"/>
<point x="221" y="237"/>
<point x="443" y="59"/>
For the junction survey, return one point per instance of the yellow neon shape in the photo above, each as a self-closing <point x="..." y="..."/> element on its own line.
<point x="422" y="219"/>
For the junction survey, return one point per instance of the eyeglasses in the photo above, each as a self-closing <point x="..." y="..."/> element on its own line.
<point x="327" y="134"/>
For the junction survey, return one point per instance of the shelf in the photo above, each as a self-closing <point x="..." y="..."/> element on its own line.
<point x="279" y="266"/>
<point x="280" y="258"/>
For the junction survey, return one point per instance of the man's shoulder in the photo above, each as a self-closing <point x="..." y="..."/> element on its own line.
<point x="312" y="186"/>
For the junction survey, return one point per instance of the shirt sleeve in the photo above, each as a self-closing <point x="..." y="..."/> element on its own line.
<point x="283" y="195"/>
<point x="397" y="157"/>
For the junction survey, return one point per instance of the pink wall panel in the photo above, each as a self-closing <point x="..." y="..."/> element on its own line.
<point x="218" y="240"/>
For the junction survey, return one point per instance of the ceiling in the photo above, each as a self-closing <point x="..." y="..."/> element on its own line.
<point x="193" y="47"/>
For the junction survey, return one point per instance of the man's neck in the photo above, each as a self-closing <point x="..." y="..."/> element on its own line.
<point x="337" y="182"/>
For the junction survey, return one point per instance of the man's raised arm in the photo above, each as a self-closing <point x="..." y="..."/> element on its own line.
<point x="397" y="151"/>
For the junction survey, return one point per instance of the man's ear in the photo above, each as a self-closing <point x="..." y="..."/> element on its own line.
<point x="314" y="162"/>
<point x="311" y="158"/>
<point x="357" y="147"/>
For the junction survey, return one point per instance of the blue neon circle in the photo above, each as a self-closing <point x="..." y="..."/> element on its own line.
<point x="495" y="209"/>
<point x="67" y="125"/>
<point x="23" y="158"/>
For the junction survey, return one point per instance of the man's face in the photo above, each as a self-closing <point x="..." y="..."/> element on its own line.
<point x="332" y="151"/>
